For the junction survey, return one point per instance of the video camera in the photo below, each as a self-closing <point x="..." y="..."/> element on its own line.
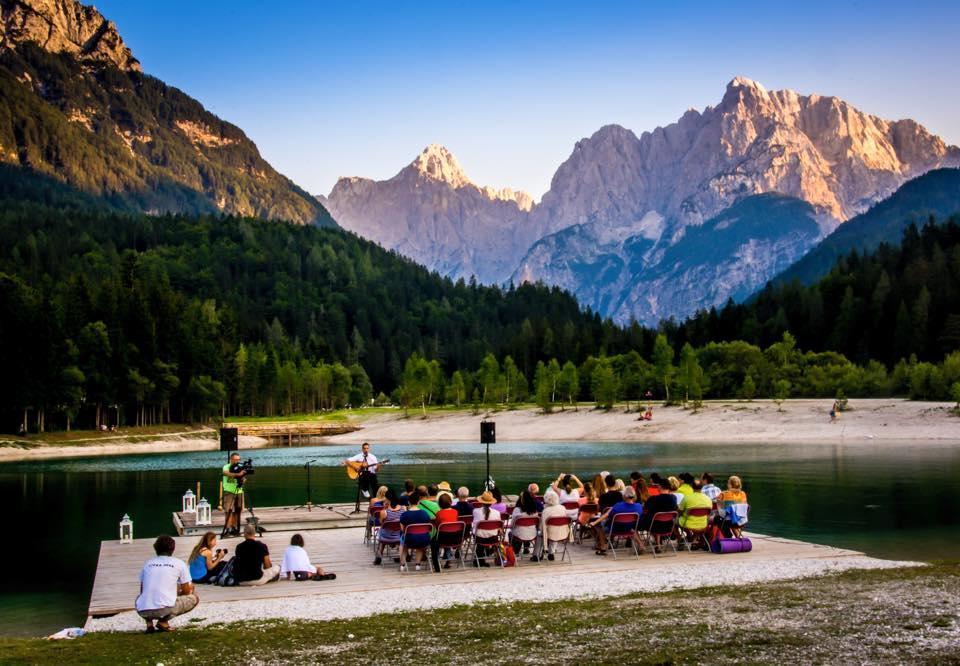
<point x="246" y="466"/>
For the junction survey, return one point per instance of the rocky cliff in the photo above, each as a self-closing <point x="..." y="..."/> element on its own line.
<point x="65" y="26"/>
<point x="433" y="213"/>
<point x="621" y="202"/>
<point x="75" y="105"/>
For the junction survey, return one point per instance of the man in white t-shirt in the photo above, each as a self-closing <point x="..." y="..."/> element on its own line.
<point x="166" y="588"/>
<point x="368" y="467"/>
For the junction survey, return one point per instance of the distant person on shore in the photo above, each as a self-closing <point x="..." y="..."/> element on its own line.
<point x="296" y="563"/>
<point x="205" y="562"/>
<point x="252" y="565"/>
<point x="834" y="411"/>
<point x="166" y="588"/>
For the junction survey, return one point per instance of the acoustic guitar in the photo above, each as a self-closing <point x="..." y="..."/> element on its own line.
<point x="355" y="467"/>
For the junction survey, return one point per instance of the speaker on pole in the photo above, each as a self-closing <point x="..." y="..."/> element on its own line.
<point x="488" y="432"/>
<point x="229" y="439"/>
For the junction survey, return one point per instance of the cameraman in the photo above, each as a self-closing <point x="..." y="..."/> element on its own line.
<point x="233" y="476"/>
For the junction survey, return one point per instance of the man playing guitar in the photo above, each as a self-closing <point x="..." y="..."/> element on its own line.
<point x="366" y="464"/>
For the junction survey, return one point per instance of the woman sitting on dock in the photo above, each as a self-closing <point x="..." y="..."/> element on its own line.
<point x="296" y="563"/>
<point x="205" y="563"/>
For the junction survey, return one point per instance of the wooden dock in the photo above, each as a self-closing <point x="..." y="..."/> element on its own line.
<point x="294" y="433"/>
<point x="279" y="518"/>
<point x="341" y="551"/>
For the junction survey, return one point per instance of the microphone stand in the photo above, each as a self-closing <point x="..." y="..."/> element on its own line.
<point x="308" y="503"/>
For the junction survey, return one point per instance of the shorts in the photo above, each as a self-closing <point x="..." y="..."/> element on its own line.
<point x="184" y="604"/>
<point x="232" y="502"/>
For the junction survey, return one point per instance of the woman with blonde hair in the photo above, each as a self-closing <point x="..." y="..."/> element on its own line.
<point x="734" y="493"/>
<point x="205" y="563"/>
<point x="675" y="488"/>
<point x="377" y="500"/>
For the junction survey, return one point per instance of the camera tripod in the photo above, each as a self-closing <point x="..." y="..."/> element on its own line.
<point x="251" y="520"/>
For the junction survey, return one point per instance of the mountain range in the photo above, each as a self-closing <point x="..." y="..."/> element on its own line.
<point x="74" y="104"/>
<point x="642" y="228"/>
<point x="626" y="219"/>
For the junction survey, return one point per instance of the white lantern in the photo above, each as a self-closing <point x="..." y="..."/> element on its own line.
<point x="204" y="512"/>
<point x="189" y="502"/>
<point x="126" y="529"/>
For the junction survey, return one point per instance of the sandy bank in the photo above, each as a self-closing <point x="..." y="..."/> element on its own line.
<point x="121" y="447"/>
<point x="873" y="420"/>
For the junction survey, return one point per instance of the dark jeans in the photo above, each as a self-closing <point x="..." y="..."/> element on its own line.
<point x="212" y="573"/>
<point x="368" y="481"/>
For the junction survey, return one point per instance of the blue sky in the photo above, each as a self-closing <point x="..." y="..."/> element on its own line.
<point x="328" y="90"/>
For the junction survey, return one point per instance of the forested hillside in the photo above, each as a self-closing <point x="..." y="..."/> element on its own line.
<point x="885" y="305"/>
<point x="174" y="317"/>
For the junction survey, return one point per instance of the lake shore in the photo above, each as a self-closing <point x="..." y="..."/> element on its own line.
<point x="867" y="421"/>
<point x="721" y="421"/>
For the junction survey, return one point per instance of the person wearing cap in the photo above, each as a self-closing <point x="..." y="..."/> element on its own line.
<point x="485" y="512"/>
<point x="443" y="488"/>
<point x="252" y="565"/>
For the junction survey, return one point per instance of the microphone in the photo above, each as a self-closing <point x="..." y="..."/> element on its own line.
<point x="310" y="462"/>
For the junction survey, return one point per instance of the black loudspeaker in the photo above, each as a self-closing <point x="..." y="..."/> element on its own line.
<point x="229" y="441"/>
<point x="488" y="432"/>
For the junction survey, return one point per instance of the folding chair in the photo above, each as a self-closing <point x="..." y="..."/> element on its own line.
<point x="662" y="527"/>
<point x="491" y="542"/>
<point x="558" y="521"/>
<point x="623" y="526"/>
<point x="735" y="516"/>
<point x="687" y="534"/>
<point x="373" y="523"/>
<point x="389" y="542"/>
<point x="526" y="521"/>
<point x="415" y="529"/>
<point x="572" y="505"/>
<point x="587" y="511"/>
<point x="452" y="535"/>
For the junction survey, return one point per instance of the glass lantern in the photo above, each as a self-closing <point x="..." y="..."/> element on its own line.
<point x="189" y="502"/>
<point x="204" y="512"/>
<point x="126" y="529"/>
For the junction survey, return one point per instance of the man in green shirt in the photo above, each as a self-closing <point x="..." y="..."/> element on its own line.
<point x="429" y="501"/>
<point x="232" y="502"/>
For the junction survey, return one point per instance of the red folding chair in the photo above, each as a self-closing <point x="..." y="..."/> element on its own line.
<point x="390" y="526"/>
<point x="452" y="536"/>
<point x="623" y="527"/>
<point x="587" y="511"/>
<point x="559" y="521"/>
<point x="687" y="534"/>
<point x="373" y="523"/>
<point x="415" y="529"/>
<point x="525" y="521"/>
<point x="491" y="543"/>
<point x="661" y="530"/>
<point x="572" y="505"/>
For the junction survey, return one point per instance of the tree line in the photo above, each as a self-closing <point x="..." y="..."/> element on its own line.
<point x="108" y="316"/>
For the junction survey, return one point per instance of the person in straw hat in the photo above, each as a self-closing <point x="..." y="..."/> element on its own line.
<point x="481" y="513"/>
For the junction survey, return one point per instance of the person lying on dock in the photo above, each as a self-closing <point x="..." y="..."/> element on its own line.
<point x="252" y="565"/>
<point x="205" y="562"/>
<point x="166" y="589"/>
<point x="296" y="563"/>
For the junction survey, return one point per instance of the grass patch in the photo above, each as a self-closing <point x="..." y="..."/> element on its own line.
<point x="857" y="616"/>
<point x="93" y="437"/>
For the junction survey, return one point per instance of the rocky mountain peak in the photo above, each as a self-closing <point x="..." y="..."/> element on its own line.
<point x="438" y="163"/>
<point x="65" y="26"/>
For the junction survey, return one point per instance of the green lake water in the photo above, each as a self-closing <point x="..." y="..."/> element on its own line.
<point x="891" y="501"/>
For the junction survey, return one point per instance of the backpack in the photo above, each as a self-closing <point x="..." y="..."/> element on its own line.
<point x="225" y="578"/>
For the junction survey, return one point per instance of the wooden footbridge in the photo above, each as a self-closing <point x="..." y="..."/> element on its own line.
<point x="294" y="433"/>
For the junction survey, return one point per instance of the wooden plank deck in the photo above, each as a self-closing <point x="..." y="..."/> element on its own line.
<point x="341" y="551"/>
<point x="279" y="518"/>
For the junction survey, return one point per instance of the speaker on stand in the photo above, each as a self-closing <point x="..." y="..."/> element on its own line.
<point x="229" y="439"/>
<point x="488" y="436"/>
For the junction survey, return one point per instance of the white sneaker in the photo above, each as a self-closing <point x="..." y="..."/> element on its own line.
<point x="417" y="568"/>
<point x="365" y="493"/>
<point x="403" y="568"/>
